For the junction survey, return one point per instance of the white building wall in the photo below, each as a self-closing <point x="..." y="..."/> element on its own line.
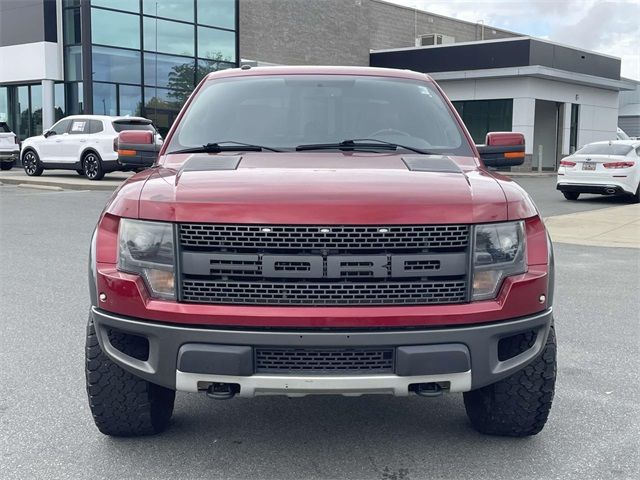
<point x="30" y="62"/>
<point x="597" y="119"/>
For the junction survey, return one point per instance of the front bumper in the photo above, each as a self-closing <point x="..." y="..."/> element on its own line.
<point x="190" y="359"/>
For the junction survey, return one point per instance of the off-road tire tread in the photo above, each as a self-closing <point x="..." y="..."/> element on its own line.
<point x="122" y="404"/>
<point x="519" y="405"/>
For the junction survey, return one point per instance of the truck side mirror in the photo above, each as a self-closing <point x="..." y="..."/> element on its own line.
<point x="136" y="148"/>
<point x="502" y="149"/>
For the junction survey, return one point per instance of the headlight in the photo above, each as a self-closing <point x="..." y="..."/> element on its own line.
<point x="499" y="251"/>
<point x="146" y="248"/>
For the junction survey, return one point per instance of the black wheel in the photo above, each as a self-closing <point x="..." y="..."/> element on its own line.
<point x="571" y="195"/>
<point x="636" y="198"/>
<point x="92" y="166"/>
<point x="6" y="165"/>
<point x="519" y="405"/>
<point x="122" y="404"/>
<point x="80" y="172"/>
<point x="32" y="165"/>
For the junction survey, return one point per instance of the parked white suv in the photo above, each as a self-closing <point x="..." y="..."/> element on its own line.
<point x="84" y="143"/>
<point x="9" y="147"/>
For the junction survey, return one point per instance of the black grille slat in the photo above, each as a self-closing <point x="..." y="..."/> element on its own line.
<point x="317" y="360"/>
<point x="323" y="293"/>
<point x="319" y="265"/>
<point x="257" y="237"/>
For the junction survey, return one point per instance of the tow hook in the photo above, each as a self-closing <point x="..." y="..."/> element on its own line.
<point x="222" y="391"/>
<point x="428" y="389"/>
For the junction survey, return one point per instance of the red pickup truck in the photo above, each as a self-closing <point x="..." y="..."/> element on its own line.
<point x="321" y="230"/>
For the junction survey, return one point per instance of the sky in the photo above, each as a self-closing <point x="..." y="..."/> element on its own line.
<point x="605" y="26"/>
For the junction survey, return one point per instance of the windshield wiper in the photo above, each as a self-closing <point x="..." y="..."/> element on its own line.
<point x="226" y="146"/>
<point x="359" y="144"/>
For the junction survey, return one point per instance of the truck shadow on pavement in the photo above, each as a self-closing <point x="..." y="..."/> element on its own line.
<point x="318" y="437"/>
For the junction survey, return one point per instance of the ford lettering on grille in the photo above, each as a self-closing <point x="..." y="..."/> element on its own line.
<point x="323" y="265"/>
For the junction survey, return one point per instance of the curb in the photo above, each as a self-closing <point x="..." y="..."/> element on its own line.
<point x="529" y="175"/>
<point x="40" y="187"/>
<point x="21" y="182"/>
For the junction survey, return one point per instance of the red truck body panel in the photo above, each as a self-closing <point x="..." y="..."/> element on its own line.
<point x="321" y="188"/>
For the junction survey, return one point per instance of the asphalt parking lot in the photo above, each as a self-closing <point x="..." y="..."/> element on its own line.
<point x="46" y="430"/>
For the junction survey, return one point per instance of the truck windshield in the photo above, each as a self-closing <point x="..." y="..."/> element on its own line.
<point x="289" y="111"/>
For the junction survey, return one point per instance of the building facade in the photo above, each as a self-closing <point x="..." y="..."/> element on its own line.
<point x="559" y="97"/>
<point x="110" y="57"/>
<point x="629" y="110"/>
<point x="342" y="32"/>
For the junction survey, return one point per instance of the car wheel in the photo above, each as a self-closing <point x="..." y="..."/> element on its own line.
<point x="80" y="172"/>
<point x="32" y="165"/>
<point x="6" y="165"/>
<point x="636" y="197"/>
<point x="571" y="195"/>
<point x="122" y="404"/>
<point x="519" y="405"/>
<point x="92" y="166"/>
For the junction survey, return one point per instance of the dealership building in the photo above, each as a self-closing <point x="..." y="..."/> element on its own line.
<point x="143" y="57"/>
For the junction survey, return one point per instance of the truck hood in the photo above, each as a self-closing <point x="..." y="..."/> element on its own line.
<point x="319" y="188"/>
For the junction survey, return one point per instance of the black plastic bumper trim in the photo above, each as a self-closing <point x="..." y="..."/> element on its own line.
<point x="165" y="341"/>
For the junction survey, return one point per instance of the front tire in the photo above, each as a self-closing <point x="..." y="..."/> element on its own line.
<point x="122" y="404"/>
<point x="571" y="195"/>
<point x="519" y="405"/>
<point x="31" y="163"/>
<point x="6" y="165"/>
<point x="92" y="166"/>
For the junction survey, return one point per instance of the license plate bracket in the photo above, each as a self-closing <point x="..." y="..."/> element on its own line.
<point x="588" y="166"/>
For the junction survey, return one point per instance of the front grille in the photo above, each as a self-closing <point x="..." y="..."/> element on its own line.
<point x="318" y="360"/>
<point x="323" y="293"/>
<point x="323" y="266"/>
<point x="267" y="237"/>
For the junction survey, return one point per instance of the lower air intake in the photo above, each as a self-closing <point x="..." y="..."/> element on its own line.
<point x="318" y="360"/>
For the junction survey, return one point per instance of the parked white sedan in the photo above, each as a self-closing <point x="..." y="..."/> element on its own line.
<point x="607" y="168"/>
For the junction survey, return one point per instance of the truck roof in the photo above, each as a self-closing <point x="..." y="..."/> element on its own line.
<point x="318" y="70"/>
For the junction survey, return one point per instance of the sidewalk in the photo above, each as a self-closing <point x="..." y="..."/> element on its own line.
<point x="66" y="179"/>
<point x="607" y="227"/>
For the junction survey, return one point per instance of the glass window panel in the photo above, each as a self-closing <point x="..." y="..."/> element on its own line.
<point x="174" y="9"/>
<point x="58" y="101"/>
<point x="70" y="3"/>
<point x="172" y="37"/>
<point x="216" y="44"/>
<point x="218" y="13"/>
<point x="36" y="110"/>
<point x="162" y="107"/>
<point x="130" y="100"/>
<point x="74" y="98"/>
<point x="172" y="72"/>
<point x="115" y="28"/>
<point x="72" y="33"/>
<point x="128" y="5"/>
<point x="79" y="127"/>
<point x="73" y="63"/>
<point x="104" y="99"/>
<point x="21" y="121"/>
<point x="208" y="66"/>
<point x="4" y="104"/>
<point x="61" y="127"/>
<point x="116" y="65"/>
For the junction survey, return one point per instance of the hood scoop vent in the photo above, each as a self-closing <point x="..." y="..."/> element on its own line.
<point x="431" y="163"/>
<point x="202" y="162"/>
